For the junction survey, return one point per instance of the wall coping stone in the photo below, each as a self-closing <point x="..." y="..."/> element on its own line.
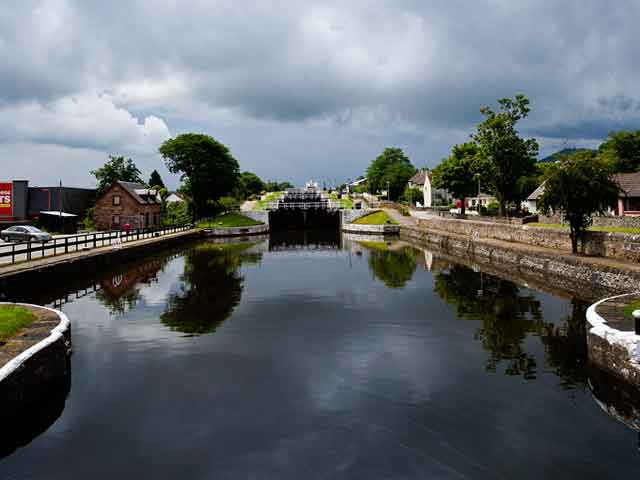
<point x="56" y="333"/>
<point x="629" y="341"/>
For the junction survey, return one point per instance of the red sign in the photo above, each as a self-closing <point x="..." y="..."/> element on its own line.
<point x="6" y="198"/>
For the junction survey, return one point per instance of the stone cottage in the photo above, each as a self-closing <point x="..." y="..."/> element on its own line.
<point x="127" y="203"/>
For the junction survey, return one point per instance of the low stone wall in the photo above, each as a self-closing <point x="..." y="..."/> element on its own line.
<point x="611" y="245"/>
<point x="237" y="231"/>
<point x="575" y="272"/>
<point x="371" y="229"/>
<point x="27" y="379"/>
<point x="612" y="350"/>
<point x="598" y="220"/>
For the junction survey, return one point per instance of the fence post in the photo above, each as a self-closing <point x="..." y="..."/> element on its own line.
<point x="66" y="244"/>
<point x="29" y="250"/>
<point x="636" y="316"/>
<point x="95" y="241"/>
<point x="13" y="253"/>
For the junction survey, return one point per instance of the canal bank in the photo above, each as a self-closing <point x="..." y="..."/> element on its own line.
<point x="67" y="264"/>
<point x="34" y="373"/>
<point x="597" y="273"/>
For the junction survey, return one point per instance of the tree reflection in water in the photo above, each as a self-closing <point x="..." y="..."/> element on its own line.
<point x="508" y="316"/>
<point x="393" y="267"/>
<point x="211" y="288"/>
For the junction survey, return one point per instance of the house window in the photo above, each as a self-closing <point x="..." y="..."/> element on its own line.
<point x="115" y="219"/>
<point x="116" y="200"/>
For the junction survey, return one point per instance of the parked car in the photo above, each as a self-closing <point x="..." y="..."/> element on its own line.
<point x="24" y="233"/>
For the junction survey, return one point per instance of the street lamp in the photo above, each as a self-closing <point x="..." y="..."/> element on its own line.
<point x="388" y="197"/>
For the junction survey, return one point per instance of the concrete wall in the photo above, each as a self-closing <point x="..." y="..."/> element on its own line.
<point x="348" y="216"/>
<point x="611" y="245"/>
<point x="28" y="378"/>
<point x="258" y="216"/>
<point x="371" y="229"/>
<point x="612" y="350"/>
<point x="237" y="231"/>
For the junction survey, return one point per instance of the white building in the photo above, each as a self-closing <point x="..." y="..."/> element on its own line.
<point x="174" y="198"/>
<point x="433" y="197"/>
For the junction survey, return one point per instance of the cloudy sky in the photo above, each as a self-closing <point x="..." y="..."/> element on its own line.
<point x="302" y="89"/>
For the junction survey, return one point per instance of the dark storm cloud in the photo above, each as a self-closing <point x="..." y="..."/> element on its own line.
<point x="317" y="83"/>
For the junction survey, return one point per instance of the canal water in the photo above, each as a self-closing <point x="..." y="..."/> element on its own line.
<point x="314" y="356"/>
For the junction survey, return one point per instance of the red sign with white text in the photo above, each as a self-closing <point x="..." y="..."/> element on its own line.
<point x="6" y="199"/>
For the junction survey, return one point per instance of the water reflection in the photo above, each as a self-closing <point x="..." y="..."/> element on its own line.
<point x="393" y="267"/>
<point x="211" y="287"/>
<point x="509" y="315"/>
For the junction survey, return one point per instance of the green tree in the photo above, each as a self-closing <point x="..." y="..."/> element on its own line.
<point x="622" y="151"/>
<point x="207" y="167"/>
<point x="250" y="184"/>
<point x="413" y="195"/>
<point x="503" y="155"/>
<point x="155" y="180"/>
<point x="116" y="168"/>
<point x="393" y="268"/>
<point x="391" y="170"/>
<point x="456" y="173"/>
<point x="273" y="186"/>
<point x="582" y="186"/>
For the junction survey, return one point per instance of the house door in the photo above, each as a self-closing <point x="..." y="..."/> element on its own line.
<point x="146" y="219"/>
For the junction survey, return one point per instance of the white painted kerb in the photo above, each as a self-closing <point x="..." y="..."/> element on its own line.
<point x="599" y="327"/>
<point x="56" y="333"/>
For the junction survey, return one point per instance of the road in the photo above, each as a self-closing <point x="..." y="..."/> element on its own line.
<point x="60" y="248"/>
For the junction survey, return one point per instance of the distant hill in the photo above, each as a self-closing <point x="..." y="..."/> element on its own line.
<point x="554" y="157"/>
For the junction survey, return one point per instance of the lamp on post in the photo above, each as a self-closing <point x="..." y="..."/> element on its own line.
<point x="388" y="192"/>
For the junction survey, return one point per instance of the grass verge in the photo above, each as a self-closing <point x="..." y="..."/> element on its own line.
<point x="230" y="219"/>
<point x="12" y="319"/>
<point x="629" y="309"/>
<point x="268" y="198"/>
<point x="375" y="218"/>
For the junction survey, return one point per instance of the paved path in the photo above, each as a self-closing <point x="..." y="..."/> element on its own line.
<point x="401" y="219"/>
<point x="43" y="262"/>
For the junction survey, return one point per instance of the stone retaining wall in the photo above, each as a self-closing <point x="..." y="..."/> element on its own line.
<point x="598" y="220"/>
<point x="27" y="379"/>
<point x="612" y="350"/>
<point x="611" y="245"/>
<point x="237" y="231"/>
<point x="570" y="268"/>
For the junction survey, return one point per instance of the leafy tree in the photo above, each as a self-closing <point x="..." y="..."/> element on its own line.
<point x="176" y="213"/>
<point x="116" y="168"/>
<point x="250" y="184"/>
<point x="582" y="186"/>
<point x="155" y="180"/>
<point x="273" y="186"/>
<point x="391" y="169"/>
<point x="622" y="151"/>
<point x="413" y="195"/>
<point x="457" y="172"/>
<point x="207" y="167"/>
<point x="503" y="155"/>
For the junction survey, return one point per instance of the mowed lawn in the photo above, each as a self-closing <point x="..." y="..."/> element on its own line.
<point x="12" y="319"/>
<point x="593" y="229"/>
<point x="230" y="219"/>
<point x="375" y="218"/>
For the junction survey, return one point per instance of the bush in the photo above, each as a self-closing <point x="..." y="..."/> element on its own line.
<point x="89" y="220"/>
<point x="492" y="209"/>
<point x="229" y="204"/>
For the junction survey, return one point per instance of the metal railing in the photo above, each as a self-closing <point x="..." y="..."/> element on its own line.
<point x="82" y="242"/>
<point x="325" y="205"/>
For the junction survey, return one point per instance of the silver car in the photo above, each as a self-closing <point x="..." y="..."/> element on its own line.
<point x="26" y="233"/>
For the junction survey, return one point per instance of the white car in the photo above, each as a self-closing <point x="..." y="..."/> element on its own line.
<point x="24" y="233"/>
